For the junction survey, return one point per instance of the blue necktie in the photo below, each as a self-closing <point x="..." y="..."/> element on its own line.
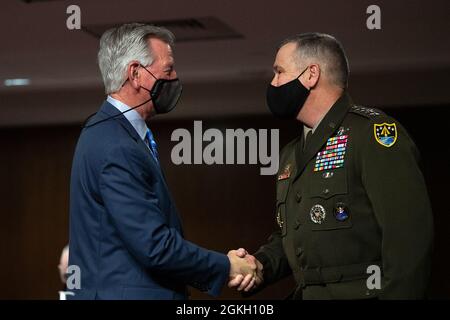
<point x="151" y="143"/>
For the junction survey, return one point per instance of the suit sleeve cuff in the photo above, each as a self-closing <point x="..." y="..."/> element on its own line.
<point x="222" y="274"/>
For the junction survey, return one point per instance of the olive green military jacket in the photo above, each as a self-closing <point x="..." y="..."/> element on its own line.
<point x="353" y="211"/>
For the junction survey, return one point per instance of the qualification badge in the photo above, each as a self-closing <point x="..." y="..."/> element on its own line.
<point x="317" y="214"/>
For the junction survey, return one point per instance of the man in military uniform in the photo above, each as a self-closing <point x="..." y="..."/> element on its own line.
<point x="352" y="203"/>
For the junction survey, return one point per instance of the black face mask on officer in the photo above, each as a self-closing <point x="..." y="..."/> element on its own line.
<point x="287" y="100"/>
<point x="165" y="93"/>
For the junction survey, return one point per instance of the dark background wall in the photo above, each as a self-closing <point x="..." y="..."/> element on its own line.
<point x="222" y="206"/>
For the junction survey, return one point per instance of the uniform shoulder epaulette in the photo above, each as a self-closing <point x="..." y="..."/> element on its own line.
<point x="366" y="112"/>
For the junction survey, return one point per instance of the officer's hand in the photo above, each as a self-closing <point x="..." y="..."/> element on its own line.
<point x="249" y="281"/>
<point x="240" y="266"/>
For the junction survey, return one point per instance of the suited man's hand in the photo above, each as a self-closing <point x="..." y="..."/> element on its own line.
<point x="241" y="280"/>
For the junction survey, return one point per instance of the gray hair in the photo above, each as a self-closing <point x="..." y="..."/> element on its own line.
<point x="119" y="46"/>
<point x="324" y="50"/>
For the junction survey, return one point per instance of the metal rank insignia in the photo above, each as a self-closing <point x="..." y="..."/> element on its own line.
<point x="279" y="220"/>
<point x="342" y="131"/>
<point x="328" y="174"/>
<point x="317" y="214"/>
<point x="385" y="134"/>
<point x="341" y="212"/>
<point x="332" y="157"/>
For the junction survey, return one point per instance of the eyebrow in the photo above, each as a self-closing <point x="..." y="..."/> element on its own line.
<point x="168" y="66"/>
<point x="277" y="68"/>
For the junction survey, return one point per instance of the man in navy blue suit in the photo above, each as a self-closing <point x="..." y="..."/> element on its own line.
<point x="125" y="232"/>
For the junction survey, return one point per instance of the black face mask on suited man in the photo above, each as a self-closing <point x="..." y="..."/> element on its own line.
<point x="165" y="94"/>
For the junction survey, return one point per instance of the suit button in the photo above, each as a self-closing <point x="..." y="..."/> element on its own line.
<point x="298" y="251"/>
<point x="326" y="191"/>
<point x="298" y="197"/>
<point x="297" y="224"/>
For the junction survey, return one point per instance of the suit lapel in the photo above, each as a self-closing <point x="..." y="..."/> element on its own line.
<point x="326" y="128"/>
<point x="108" y="110"/>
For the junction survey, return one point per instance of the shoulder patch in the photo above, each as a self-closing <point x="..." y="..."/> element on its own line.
<point x="385" y="133"/>
<point x="366" y="112"/>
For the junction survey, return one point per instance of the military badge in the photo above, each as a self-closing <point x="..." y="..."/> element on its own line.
<point x="332" y="156"/>
<point x="328" y="174"/>
<point x="286" y="173"/>
<point x="342" y="131"/>
<point x="368" y="112"/>
<point x="317" y="214"/>
<point x="385" y="134"/>
<point x="341" y="212"/>
<point x="279" y="220"/>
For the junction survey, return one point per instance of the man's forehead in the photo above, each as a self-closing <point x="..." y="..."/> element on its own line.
<point x="285" y="55"/>
<point x="286" y="51"/>
<point x="159" y="45"/>
<point x="161" y="51"/>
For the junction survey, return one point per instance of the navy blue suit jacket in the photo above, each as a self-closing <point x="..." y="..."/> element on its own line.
<point x="125" y="231"/>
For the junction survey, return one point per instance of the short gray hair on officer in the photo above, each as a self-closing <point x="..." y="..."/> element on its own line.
<point x="324" y="50"/>
<point x="121" y="45"/>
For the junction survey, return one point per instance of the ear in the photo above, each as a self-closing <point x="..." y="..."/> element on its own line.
<point x="133" y="74"/>
<point x="312" y="76"/>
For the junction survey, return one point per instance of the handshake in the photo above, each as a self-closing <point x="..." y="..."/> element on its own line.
<point x="246" y="272"/>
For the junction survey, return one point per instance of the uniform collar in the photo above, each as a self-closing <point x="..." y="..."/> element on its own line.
<point x="326" y="128"/>
<point x="306" y="129"/>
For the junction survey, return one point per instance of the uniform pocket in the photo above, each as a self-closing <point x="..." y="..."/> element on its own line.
<point x="332" y="224"/>
<point x="327" y="188"/>
<point x="328" y="196"/>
